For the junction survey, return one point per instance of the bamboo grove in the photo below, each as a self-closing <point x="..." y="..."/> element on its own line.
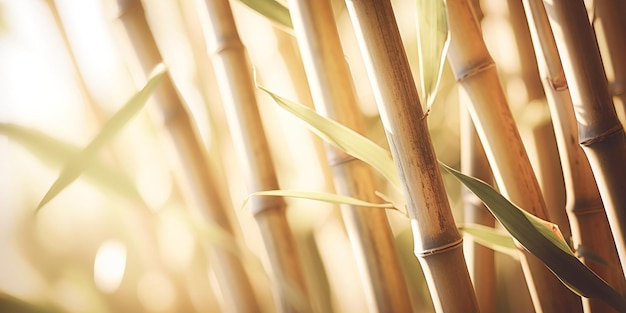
<point x="314" y="156"/>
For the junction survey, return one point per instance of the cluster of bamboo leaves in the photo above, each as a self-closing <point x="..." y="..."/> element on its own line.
<point x="554" y="271"/>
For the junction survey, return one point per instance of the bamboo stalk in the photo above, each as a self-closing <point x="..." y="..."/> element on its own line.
<point x="333" y="95"/>
<point x="609" y="26"/>
<point x="475" y="70"/>
<point x="543" y="154"/>
<point x="231" y="276"/>
<point x="589" y="223"/>
<point x="237" y="90"/>
<point x="480" y="258"/>
<point x="584" y="206"/>
<point x="437" y="242"/>
<point x="600" y="132"/>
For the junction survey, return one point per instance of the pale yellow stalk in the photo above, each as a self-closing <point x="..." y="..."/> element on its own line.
<point x="232" y="278"/>
<point x="333" y="95"/>
<point x="234" y="79"/>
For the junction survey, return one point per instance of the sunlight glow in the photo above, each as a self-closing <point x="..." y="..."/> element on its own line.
<point x="109" y="265"/>
<point x="156" y="292"/>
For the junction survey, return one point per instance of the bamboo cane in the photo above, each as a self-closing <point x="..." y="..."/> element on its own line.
<point x="237" y="90"/>
<point x="481" y="259"/>
<point x="609" y="26"/>
<point x="600" y="132"/>
<point x="438" y="244"/>
<point x="333" y="95"/>
<point x="544" y="156"/>
<point x="231" y="276"/>
<point x="475" y="70"/>
<point x="590" y="226"/>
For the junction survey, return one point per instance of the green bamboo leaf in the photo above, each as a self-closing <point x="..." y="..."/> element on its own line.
<point x="491" y="238"/>
<point x="273" y="11"/>
<point x="75" y="167"/>
<point x="432" y="45"/>
<point x="343" y="137"/>
<point x="319" y="196"/>
<point x="543" y="242"/>
<point x="54" y="152"/>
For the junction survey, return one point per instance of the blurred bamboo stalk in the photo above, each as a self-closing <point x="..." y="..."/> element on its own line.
<point x="600" y="132"/>
<point x="589" y="223"/>
<point x="232" y="71"/>
<point x="231" y="276"/>
<point x="609" y="26"/>
<point x="475" y="70"/>
<point x="480" y="259"/>
<point x="333" y="94"/>
<point x="542" y="148"/>
<point x="437" y="242"/>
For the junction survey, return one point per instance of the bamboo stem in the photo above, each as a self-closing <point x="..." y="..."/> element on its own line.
<point x="230" y="272"/>
<point x="609" y="26"/>
<point x="237" y="90"/>
<point x="481" y="259"/>
<point x="438" y="244"/>
<point x="600" y="132"/>
<point x="475" y="70"/>
<point x="589" y="223"/>
<point x="333" y="95"/>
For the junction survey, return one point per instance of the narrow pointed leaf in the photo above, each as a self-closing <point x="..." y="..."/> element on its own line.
<point x="75" y="167"/>
<point x="56" y="153"/>
<point x="273" y="11"/>
<point x="319" y="196"/>
<point x="432" y="45"/>
<point x="343" y="137"/>
<point x="542" y="242"/>
<point x="491" y="238"/>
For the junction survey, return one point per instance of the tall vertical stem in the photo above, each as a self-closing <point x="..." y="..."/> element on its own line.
<point x="475" y="70"/>
<point x="438" y="244"/>
<point x="234" y="78"/>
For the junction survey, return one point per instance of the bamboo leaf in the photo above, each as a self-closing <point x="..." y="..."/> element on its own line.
<point x="75" y="167"/>
<point x="432" y="45"/>
<point x="55" y="152"/>
<point x="543" y="242"/>
<point x="273" y="11"/>
<point x="491" y="238"/>
<point x="343" y="137"/>
<point x="320" y="196"/>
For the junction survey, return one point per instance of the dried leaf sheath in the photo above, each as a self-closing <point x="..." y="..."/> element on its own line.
<point x="333" y="94"/>
<point x="437" y="241"/>
<point x="237" y="90"/>
<point x="231" y="276"/>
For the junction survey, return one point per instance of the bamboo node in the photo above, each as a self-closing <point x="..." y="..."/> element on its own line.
<point x="440" y="249"/>
<point x="226" y="44"/>
<point x="476" y="70"/>
<point x="616" y="129"/>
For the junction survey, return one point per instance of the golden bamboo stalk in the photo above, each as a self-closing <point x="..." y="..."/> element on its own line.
<point x="590" y="226"/>
<point x="475" y="70"/>
<point x="231" y="276"/>
<point x="480" y="258"/>
<point x="332" y="90"/>
<point x="600" y="132"/>
<point x="546" y="163"/>
<point x="609" y="26"/>
<point x="238" y="93"/>
<point x="438" y="244"/>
